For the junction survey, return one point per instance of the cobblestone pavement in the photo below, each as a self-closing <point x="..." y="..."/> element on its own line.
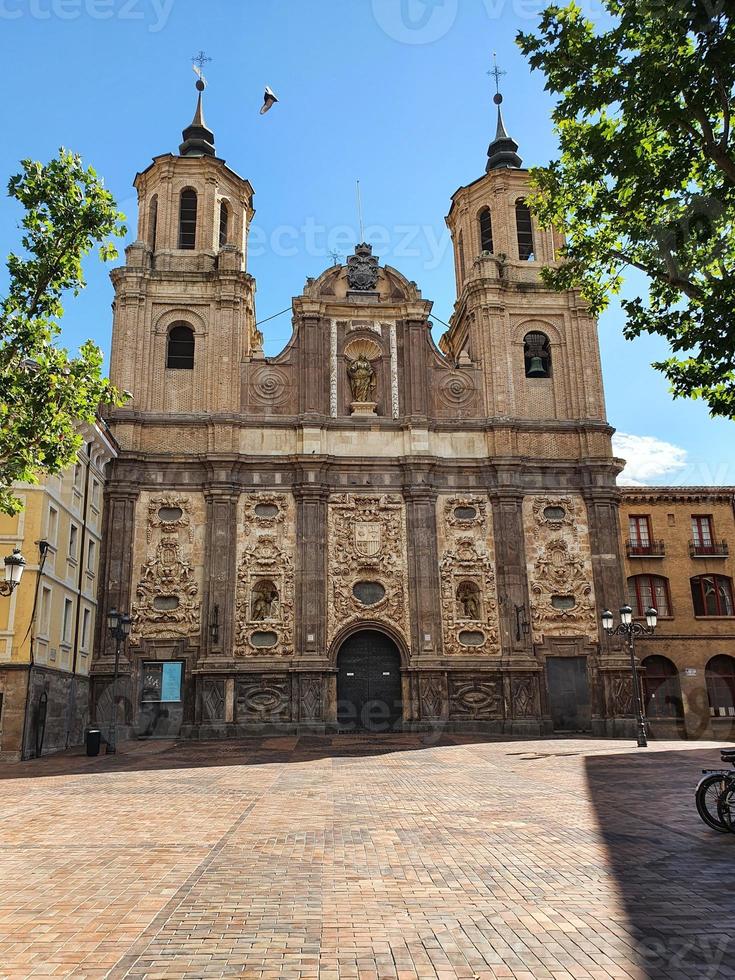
<point x="365" y="858"/>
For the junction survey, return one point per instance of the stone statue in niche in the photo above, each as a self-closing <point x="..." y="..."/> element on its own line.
<point x="468" y="605"/>
<point x="362" y="379"/>
<point x="265" y="601"/>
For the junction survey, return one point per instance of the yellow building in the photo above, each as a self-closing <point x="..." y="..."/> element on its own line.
<point x="677" y="542"/>
<point x="47" y="625"/>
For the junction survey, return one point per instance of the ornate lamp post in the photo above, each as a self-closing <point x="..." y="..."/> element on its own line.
<point x="119" y="626"/>
<point x="631" y="630"/>
<point x="14" y="565"/>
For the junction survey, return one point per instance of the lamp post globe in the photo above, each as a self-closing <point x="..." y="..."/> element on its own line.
<point x="14" y="565"/>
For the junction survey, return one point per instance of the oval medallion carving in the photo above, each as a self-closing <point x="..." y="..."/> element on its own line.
<point x="264" y="638"/>
<point x="465" y="513"/>
<point x="266" y="510"/>
<point x="166" y="603"/>
<point x="563" y="602"/>
<point x="368" y="593"/>
<point x="169" y="515"/>
<point x="471" y="638"/>
<point x="554" y="514"/>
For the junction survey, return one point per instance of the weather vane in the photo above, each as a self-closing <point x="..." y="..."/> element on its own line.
<point x="497" y="73"/>
<point x="200" y="60"/>
<point x="335" y="256"/>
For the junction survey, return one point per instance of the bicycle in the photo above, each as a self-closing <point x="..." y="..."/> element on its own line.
<point x="715" y="795"/>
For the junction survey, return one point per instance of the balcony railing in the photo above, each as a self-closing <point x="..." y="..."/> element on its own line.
<point x="652" y="549"/>
<point x="715" y="549"/>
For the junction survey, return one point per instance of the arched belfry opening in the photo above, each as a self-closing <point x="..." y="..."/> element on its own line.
<point x="369" y="697"/>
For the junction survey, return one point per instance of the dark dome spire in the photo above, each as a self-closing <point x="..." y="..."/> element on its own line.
<point x="198" y="138"/>
<point x="503" y="151"/>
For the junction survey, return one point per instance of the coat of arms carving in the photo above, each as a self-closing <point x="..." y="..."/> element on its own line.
<point x="362" y="268"/>
<point x="368" y="538"/>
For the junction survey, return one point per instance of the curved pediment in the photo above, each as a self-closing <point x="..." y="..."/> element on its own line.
<point x="362" y="279"/>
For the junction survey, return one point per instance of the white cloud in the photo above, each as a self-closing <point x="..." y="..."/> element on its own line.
<point x="648" y="459"/>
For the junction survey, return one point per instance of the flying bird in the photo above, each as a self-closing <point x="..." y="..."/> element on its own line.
<point x="269" y="100"/>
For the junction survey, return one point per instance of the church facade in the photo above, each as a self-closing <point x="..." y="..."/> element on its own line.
<point x="367" y="531"/>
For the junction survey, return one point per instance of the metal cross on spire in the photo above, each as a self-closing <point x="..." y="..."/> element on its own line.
<point x="200" y="60"/>
<point x="496" y="73"/>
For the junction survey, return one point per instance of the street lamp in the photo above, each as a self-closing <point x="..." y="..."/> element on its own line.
<point x="631" y="630"/>
<point x="119" y="626"/>
<point x="14" y="565"/>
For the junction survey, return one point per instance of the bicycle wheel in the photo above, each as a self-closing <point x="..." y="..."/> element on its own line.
<point x="726" y="807"/>
<point x="707" y="799"/>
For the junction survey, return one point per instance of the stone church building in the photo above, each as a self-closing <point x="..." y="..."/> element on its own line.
<point x="366" y="531"/>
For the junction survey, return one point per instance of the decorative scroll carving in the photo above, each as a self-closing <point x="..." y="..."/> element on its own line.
<point x="362" y="268"/>
<point x="265" y="578"/>
<point x="263" y="697"/>
<point x="525" y="701"/>
<point x="367" y="543"/>
<point x="456" y="389"/>
<point x="269" y="386"/>
<point x="468" y="588"/>
<point x="559" y="565"/>
<point x="475" y="697"/>
<point x="166" y="575"/>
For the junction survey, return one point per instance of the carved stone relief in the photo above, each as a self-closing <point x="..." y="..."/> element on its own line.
<point x="167" y="599"/>
<point x="559" y="567"/>
<point x="367" y="544"/>
<point x="467" y="570"/>
<point x="263" y="697"/>
<point x="475" y="697"/>
<point x="525" y="701"/>
<point x="432" y="695"/>
<point x="362" y="268"/>
<point x="264" y="617"/>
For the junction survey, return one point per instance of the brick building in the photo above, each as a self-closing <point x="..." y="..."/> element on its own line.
<point x="677" y="543"/>
<point x="366" y="529"/>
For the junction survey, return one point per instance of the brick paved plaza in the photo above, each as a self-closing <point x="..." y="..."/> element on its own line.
<point x="370" y="857"/>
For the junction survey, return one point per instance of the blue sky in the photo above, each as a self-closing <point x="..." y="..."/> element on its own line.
<point x="393" y="92"/>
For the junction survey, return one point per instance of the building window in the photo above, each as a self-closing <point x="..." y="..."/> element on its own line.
<point x="66" y="622"/>
<point x="153" y="222"/>
<point x="524" y="229"/>
<point x="86" y="619"/>
<point x="188" y="219"/>
<point x="224" y="224"/>
<point x="180" y="352"/>
<point x="73" y="541"/>
<point x="52" y="530"/>
<point x="45" y="617"/>
<point x="95" y="493"/>
<point x="702" y="535"/>
<point x="460" y="256"/>
<point x="712" y="595"/>
<point x="645" y="591"/>
<point x="537" y="355"/>
<point x="91" y="556"/>
<point x="486" y="230"/>
<point x="720" y="678"/>
<point x="661" y="688"/>
<point x="639" y="528"/>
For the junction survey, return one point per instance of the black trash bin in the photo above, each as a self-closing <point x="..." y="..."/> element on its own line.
<point x="94" y="739"/>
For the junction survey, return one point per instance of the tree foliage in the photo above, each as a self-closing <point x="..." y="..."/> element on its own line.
<point x="45" y="392"/>
<point x="646" y="175"/>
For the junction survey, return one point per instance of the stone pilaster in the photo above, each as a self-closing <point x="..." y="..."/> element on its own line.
<point x="423" y="570"/>
<point x="510" y="564"/>
<point x="220" y="563"/>
<point x="311" y="564"/>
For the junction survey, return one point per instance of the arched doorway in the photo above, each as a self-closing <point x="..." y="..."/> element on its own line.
<point x="661" y="688"/>
<point x="369" y="683"/>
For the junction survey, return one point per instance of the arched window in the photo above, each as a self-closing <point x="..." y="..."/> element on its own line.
<point x="645" y="591"/>
<point x="486" y="230"/>
<point x="180" y="352"/>
<point x="720" y="678"/>
<point x="224" y="224"/>
<point x="712" y="595"/>
<point x="153" y="222"/>
<point x="460" y="255"/>
<point x="661" y="688"/>
<point x="537" y="355"/>
<point x="524" y="229"/>
<point x="188" y="219"/>
<point x="468" y="601"/>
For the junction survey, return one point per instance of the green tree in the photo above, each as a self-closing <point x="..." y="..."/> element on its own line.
<point x="45" y="392"/>
<point x="646" y="174"/>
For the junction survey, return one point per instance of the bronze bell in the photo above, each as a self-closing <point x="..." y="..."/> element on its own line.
<point x="536" y="369"/>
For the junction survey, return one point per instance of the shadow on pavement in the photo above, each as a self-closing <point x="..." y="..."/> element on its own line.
<point x="676" y="876"/>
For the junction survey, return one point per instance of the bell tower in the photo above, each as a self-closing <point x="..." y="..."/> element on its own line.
<point x="184" y="310"/>
<point x="537" y="348"/>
